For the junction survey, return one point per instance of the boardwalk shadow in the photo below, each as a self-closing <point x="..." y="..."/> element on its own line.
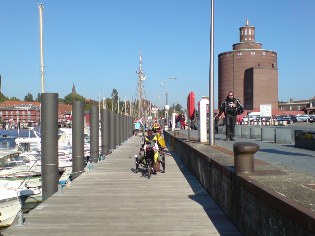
<point x="275" y="151"/>
<point x="141" y="170"/>
<point x="220" y="221"/>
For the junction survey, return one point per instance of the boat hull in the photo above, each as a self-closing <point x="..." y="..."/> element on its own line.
<point x="9" y="207"/>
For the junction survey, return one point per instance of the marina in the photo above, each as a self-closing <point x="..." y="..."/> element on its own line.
<point x="21" y="171"/>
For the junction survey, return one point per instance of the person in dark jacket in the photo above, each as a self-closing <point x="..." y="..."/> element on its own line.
<point x="231" y="107"/>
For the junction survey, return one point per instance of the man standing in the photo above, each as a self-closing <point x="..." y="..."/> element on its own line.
<point x="231" y="107"/>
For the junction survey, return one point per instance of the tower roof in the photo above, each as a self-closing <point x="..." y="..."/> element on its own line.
<point x="247" y="38"/>
<point x="73" y="89"/>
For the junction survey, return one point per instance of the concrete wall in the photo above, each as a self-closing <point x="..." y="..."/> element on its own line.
<point x="254" y="209"/>
<point x="284" y="136"/>
<point x="255" y="132"/>
<point x="268" y="134"/>
<point x="245" y="132"/>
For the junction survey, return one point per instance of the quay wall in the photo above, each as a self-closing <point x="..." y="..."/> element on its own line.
<point x="252" y="207"/>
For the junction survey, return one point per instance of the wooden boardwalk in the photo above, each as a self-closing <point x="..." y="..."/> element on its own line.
<point x="113" y="200"/>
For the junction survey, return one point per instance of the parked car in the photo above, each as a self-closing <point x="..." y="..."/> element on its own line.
<point x="245" y="118"/>
<point x="302" y="118"/>
<point x="312" y="119"/>
<point x="266" y="118"/>
<point x="289" y="119"/>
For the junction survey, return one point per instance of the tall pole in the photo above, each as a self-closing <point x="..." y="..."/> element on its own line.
<point x="131" y="111"/>
<point x="166" y="101"/>
<point x="125" y="111"/>
<point x="166" y="108"/>
<point x="141" y="77"/>
<point x="99" y="105"/>
<point x="42" y="73"/>
<point x="211" y="77"/>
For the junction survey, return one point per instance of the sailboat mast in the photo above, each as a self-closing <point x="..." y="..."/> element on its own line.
<point x="41" y="8"/>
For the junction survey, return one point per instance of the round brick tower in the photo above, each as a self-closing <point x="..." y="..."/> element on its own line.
<point x="250" y="71"/>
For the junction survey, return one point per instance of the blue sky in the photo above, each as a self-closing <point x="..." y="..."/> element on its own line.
<point x="96" y="45"/>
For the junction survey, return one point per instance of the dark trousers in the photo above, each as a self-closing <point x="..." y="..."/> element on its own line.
<point x="230" y="126"/>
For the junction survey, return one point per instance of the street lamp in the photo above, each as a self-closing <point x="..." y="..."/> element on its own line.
<point x="211" y="78"/>
<point x="167" y="107"/>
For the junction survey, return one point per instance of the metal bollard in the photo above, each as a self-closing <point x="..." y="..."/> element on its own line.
<point x="60" y="190"/>
<point x="244" y="157"/>
<point x="20" y="219"/>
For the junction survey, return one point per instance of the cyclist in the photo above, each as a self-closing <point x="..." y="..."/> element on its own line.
<point x="161" y="143"/>
<point x="156" y="126"/>
<point x="153" y="140"/>
<point x="160" y="139"/>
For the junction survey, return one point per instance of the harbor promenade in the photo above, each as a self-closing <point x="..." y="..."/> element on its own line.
<point x="286" y="155"/>
<point x="285" y="169"/>
<point x="111" y="199"/>
<point x="274" y="199"/>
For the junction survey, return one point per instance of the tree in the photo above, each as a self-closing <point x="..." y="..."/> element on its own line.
<point x="89" y="103"/>
<point x="2" y="97"/>
<point x="73" y="97"/>
<point x="38" y="99"/>
<point x="108" y="103"/>
<point x="61" y="100"/>
<point x="115" y="99"/>
<point x="14" y="99"/>
<point x="29" y="98"/>
<point x="177" y="108"/>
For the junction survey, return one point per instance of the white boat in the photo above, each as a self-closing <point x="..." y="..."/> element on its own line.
<point x="20" y="180"/>
<point x="12" y="161"/>
<point x="9" y="207"/>
<point x="30" y="143"/>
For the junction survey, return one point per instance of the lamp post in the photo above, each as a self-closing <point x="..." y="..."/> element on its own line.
<point x="167" y="107"/>
<point x="211" y="78"/>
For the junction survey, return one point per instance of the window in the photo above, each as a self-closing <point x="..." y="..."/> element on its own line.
<point x="245" y="31"/>
<point x="299" y="107"/>
<point x="264" y="53"/>
<point x="249" y="31"/>
<point x="252" y="53"/>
